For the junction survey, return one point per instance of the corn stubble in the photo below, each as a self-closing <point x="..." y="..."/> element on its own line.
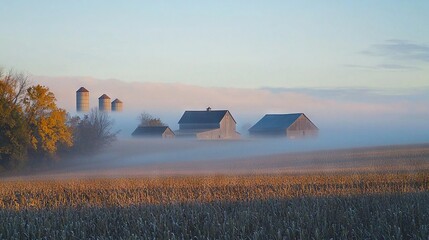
<point x="339" y="206"/>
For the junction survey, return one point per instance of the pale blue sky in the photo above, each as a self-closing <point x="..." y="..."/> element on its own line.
<point x="249" y="44"/>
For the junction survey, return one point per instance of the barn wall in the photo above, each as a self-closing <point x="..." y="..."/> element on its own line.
<point x="267" y="133"/>
<point x="302" y="123"/>
<point x="168" y="134"/>
<point x="216" y="134"/>
<point x="301" y="133"/>
<point x="302" y="127"/>
<point x="210" y="135"/>
<point x="228" y="127"/>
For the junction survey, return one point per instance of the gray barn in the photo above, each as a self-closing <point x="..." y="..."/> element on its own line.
<point x="216" y="124"/>
<point x="153" y="132"/>
<point x="293" y="125"/>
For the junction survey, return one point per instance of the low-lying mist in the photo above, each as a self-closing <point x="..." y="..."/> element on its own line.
<point x="136" y="151"/>
<point x="142" y="156"/>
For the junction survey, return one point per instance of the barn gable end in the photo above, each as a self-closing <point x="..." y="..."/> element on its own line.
<point x="302" y="127"/>
<point x="290" y="125"/>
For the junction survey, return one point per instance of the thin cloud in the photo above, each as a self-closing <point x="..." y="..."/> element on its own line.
<point x="384" y="66"/>
<point x="358" y="95"/>
<point x="396" y="49"/>
<point x="395" y="66"/>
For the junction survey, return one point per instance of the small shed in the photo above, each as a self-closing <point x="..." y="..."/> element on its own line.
<point x="208" y="124"/>
<point x="153" y="132"/>
<point x="294" y="125"/>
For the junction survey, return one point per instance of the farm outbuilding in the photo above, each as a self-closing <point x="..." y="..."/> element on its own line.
<point x="293" y="125"/>
<point x="153" y="132"/>
<point x="208" y="124"/>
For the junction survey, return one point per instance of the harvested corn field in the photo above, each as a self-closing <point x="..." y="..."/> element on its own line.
<point x="232" y="207"/>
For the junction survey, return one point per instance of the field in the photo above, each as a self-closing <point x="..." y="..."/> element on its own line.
<point x="321" y="206"/>
<point x="362" y="193"/>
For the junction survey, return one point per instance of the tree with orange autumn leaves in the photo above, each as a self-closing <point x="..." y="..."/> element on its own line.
<point x="34" y="129"/>
<point x="31" y="124"/>
<point x="14" y="131"/>
<point x="47" y="121"/>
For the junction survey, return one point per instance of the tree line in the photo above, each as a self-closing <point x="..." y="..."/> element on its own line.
<point x="34" y="130"/>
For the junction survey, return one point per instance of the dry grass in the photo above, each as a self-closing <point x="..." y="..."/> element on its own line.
<point x="122" y="192"/>
<point x="341" y="206"/>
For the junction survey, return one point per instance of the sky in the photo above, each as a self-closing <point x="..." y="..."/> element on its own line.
<point x="357" y="68"/>
<point x="376" y="45"/>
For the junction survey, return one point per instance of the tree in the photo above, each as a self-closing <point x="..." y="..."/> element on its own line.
<point x="13" y="87"/>
<point x="92" y="132"/>
<point x="148" y="120"/>
<point x="14" y="134"/>
<point x="32" y="127"/>
<point x="47" y="122"/>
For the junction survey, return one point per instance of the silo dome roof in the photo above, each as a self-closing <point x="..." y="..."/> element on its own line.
<point x="82" y="89"/>
<point x="104" y="96"/>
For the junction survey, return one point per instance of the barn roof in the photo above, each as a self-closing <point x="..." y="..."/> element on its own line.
<point x="275" y="121"/>
<point x="203" y="117"/>
<point x="104" y="96"/>
<point x="150" y="130"/>
<point x="82" y="89"/>
<point x="117" y="101"/>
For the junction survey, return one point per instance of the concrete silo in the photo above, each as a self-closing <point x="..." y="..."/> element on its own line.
<point x="104" y="103"/>
<point x="117" y="105"/>
<point x="82" y="100"/>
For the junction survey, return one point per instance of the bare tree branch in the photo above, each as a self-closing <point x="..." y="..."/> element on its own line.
<point x="148" y="120"/>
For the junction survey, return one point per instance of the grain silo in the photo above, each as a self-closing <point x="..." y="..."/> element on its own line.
<point x="82" y="100"/>
<point x="104" y="103"/>
<point x="117" y="105"/>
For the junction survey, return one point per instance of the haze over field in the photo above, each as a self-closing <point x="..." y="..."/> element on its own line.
<point x="131" y="158"/>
